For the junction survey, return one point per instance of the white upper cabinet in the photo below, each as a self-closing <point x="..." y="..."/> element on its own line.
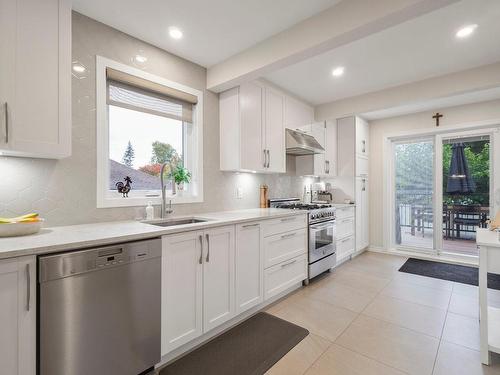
<point x="275" y="131"/>
<point x="18" y="316"/>
<point x="362" y="137"/>
<point x="252" y="127"/>
<point x="297" y="114"/>
<point x="35" y="78"/>
<point x="324" y="164"/>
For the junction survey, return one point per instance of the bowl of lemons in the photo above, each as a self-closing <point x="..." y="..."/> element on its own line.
<point x="20" y="225"/>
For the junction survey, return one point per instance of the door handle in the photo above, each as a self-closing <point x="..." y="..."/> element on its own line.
<point x="265" y="158"/>
<point x="250" y="225"/>
<point x="208" y="247"/>
<point x="28" y="287"/>
<point x="6" y="107"/>
<point x="268" y="158"/>
<point x="200" y="260"/>
<point x="289" y="235"/>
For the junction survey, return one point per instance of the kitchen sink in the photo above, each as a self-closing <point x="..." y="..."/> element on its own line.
<point x="175" y="222"/>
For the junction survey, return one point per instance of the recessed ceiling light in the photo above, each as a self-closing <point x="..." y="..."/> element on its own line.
<point x="140" y="58"/>
<point x="174" y="32"/>
<point x="466" y="31"/>
<point x="337" y="72"/>
<point x="78" y="68"/>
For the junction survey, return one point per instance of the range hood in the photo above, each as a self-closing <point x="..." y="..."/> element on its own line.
<point x="298" y="143"/>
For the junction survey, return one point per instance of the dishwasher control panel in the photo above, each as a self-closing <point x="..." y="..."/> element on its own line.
<point x="52" y="267"/>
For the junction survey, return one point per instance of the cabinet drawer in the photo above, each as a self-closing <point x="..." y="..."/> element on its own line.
<point x="284" y="275"/>
<point x="345" y="247"/>
<point x="284" y="224"/>
<point x="361" y="166"/>
<point x="285" y="246"/>
<point x="345" y="227"/>
<point x="344" y="212"/>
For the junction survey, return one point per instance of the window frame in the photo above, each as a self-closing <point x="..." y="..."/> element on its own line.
<point x="193" y="148"/>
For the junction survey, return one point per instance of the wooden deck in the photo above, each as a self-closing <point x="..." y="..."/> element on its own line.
<point x="454" y="246"/>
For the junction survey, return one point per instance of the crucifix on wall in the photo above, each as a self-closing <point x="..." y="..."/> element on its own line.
<point x="437" y="116"/>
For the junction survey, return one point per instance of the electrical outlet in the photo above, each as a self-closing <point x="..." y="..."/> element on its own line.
<point x="239" y="192"/>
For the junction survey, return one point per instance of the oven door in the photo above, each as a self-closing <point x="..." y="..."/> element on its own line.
<point x="321" y="240"/>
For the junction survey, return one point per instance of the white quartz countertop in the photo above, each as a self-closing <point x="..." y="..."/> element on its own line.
<point x="73" y="237"/>
<point x="486" y="237"/>
<point x="343" y="205"/>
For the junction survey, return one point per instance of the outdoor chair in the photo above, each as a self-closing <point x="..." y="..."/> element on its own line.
<point x="468" y="215"/>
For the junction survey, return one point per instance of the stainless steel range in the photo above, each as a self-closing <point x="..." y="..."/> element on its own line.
<point x="321" y="218"/>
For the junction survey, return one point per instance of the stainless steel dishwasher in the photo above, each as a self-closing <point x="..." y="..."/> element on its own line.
<point x="99" y="310"/>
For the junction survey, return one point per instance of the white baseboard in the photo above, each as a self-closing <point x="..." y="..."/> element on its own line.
<point x="445" y="258"/>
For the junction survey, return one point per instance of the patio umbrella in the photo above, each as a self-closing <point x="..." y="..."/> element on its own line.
<point x="459" y="179"/>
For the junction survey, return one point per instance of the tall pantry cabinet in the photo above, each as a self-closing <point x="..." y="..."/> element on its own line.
<point x="353" y="154"/>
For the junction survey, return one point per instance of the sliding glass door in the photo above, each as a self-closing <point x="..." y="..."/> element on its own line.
<point x="413" y="194"/>
<point x="441" y="189"/>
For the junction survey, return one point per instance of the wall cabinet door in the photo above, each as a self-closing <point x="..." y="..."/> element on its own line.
<point x="249" y="267"/>
<point x="252" y="145"/>
<point x="362" y="137"/>
<point x="182" y="289"/>
<point x="331" y="148"/>
<point x="36" y="100"/>
<point x="362" y="213"/>
<point x="275" y="131"/>
<point x="218" y="277"/>
<point x="18" y="316"/>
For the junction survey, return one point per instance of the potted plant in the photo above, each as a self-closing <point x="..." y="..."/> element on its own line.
<point x="181" y="177"/>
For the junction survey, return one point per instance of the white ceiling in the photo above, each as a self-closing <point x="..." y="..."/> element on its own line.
<point x="213" y="30"/>
<point x="418" y="49"/>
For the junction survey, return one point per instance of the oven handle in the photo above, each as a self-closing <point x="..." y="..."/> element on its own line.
<point x="322" y="225"/>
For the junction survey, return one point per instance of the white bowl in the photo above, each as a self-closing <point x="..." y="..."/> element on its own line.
<point x="20" y="229"/>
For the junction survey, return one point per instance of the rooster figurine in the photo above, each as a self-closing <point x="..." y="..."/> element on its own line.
<point x="124" y="188"/>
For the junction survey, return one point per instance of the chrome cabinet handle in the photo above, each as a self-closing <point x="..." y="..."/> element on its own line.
<point x="364" y="185"/>
<point x="289" y="235"/>
<point x="268" y="159"/>
<point x="288" y="219"/>
<point x="208" y="247"/>
<point x="265" y="158"/>
<point x="28" y="287"/>
<point x="288" y="264"/>
<point x="200" y="260"/>
<point x="250" y="225"/>
<point x="364" y="145"/>
<point x="6" y="105"/>
<point x="346" y="239"/>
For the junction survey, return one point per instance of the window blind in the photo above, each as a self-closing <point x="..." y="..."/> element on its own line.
<point x="145" y="96"/>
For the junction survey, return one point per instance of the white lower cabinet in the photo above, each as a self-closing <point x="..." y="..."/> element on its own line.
<point x="18" y="316"/>
<point x="346" y="231"/>
<point x="282" y="276"/>
<point x="218" y="277"/>
<point x="182" y="289"/>
<point x="197" y="284"/>
<point x="210" y="276"/>
<point x="249" y="267"/>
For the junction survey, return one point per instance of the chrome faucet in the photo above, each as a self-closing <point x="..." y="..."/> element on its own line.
<point x="164" y="210"/>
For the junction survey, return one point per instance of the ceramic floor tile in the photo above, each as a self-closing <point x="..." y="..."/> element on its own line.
<point x="390" y="344"/>
<point x="462" y="330"/>
<point x="371" y="268"/>
<point x="341" y="295"/>
<point x="420" y="318"/>
<point x="418" y="294"/>
<point x="456" y="360"/>
<point x="464" y="305"/>
<point x="429" y="282"/>
<point x="301" y="357"/>
<point x="341" y="361"/>
<point x="320" y="318"/>
<point x="359" y="280"/>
